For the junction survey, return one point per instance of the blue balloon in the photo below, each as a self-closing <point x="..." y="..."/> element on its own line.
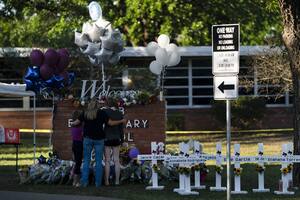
<point x="133" y="152"/>
<point x="33" y="73"/>
<point x="59" y="82"/>
<point x="29" y="85"/>
<point x="71" y="78"/>
<point x="34" y="85"/>
<point x="50" y="82"/>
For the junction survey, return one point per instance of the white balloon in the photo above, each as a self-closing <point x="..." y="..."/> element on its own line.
<point x="163" y="40"/>
<point x="172" y="48"/>
<point x="95" y="10"/>
<point x="155" y="67"/>
<point x="174" y="59"/>
<point x="161" y="55"/>
<point x="151" y="48"/>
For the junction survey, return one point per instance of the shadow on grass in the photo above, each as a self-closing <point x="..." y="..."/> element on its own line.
<point x="136" y="191"/>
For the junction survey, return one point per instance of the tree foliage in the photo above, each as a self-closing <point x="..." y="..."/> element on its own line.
<point x="45" y="23"/>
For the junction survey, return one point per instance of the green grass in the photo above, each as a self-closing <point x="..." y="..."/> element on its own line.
<point x="136" y="191"/>
<point x="272" y="143"/>
<point x="8" y="152"/>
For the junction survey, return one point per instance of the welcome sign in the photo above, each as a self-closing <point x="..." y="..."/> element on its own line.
<point x="145" y="123"/>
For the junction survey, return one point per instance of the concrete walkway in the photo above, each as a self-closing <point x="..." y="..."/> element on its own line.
<point x="12" y="195"/>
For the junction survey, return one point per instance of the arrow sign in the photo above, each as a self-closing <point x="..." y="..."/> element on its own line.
<point x="223" y="87"/>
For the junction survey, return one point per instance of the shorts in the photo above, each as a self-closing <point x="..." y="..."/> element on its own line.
<point x="112" y="143"/>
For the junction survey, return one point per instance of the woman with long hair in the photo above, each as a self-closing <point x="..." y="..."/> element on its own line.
<point x="94" y="120"/>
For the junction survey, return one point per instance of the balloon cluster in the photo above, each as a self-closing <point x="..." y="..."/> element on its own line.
<point x="166" y="54"/>
<point x="47" y="72"/>
<point x="98" y="40"/>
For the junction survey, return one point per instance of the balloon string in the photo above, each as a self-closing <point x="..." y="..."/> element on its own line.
<point x="162" y="78"/>
<point x="103" y="78"/>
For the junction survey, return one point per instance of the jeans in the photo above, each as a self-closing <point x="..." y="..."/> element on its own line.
<point x="88" y="145"/>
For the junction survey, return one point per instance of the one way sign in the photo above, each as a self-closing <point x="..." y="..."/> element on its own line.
<point x="225" y="87"/>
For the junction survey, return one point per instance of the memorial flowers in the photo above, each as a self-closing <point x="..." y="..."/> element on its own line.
<point x="290" y="167"/>
<point x="197" y="167"/>
<point x="155" y="168"/>
<point x="219" y="169"/>
<point x="184" y="170"/>
<point x="260" y="168"/>
<point x="284" y="170"/>
<point x="237" y="171"/>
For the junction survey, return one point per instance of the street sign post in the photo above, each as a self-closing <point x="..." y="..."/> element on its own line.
<point x="225" y="53"/>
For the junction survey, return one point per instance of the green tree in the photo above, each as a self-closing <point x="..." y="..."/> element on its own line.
<point x="282" y="65"/>
<point x="51" y="23"/>
<point x="290" y="12"/>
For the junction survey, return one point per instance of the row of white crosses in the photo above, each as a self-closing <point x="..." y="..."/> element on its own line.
<point x="286" y="158"/>
<point x="185" y="160"/>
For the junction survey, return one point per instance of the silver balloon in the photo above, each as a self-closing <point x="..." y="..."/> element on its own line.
<point x="81" y="39"/>
<point x="114" y="59"/>
<point x="92" y="48"/>
<point x="94" y="33"/>
<point x="92" y="60"/>
<point x="100" y="42"/>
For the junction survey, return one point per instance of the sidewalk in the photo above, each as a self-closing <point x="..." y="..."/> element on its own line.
<point x="12" y="195"/>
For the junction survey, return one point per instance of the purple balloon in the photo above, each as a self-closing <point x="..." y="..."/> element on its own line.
<point x="36" y="57"/>
<point x="46" y="71"/>
<point x="51" y="57"/>
<point x="133" y="152"/>
<point x="63" y="61"/>
<point x="63" y="51"/>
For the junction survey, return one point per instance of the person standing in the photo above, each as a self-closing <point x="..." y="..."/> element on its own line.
<point x="114" y="137"/>
<point x="94" y="120"/>
<point x="77" y="147"/>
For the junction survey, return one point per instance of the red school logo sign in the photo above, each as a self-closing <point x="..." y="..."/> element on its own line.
<point x="9" y="135"/>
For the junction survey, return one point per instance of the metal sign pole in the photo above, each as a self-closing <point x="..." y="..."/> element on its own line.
<point x="228" y="134"/>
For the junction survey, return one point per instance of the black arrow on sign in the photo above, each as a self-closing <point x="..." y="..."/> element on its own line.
<point x="223" y="87"/>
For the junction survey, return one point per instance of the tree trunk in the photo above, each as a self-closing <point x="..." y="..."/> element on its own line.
<point x="290" y="11"/>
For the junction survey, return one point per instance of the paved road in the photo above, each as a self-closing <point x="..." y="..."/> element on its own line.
<point x="12" y="195"/>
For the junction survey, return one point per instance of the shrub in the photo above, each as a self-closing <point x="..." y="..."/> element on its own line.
<point x="175" y="122"/>
<point x="245" y="111"/>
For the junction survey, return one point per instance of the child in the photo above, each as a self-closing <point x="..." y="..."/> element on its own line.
<point x="77" y="148"/>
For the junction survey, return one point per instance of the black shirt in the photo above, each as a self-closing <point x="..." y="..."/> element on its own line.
<point x="114" y="132"/>
<point x="94" y="129"/>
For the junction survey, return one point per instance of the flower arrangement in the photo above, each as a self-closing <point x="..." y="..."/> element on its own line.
<point x="287" y="169"/>
<point x="131" y="97"/>
<point x="196" y="167"/>
<point x="284" y="170"/>
<point x="237" y="171"/>
<point x="290" y="167"/>
<point x="219" y="169"/>
<point x="124" y="154"/>
<point x="184" y="170"/>
<point x="260" y="168"/>
<point x="155" y="168"/>
<point x="203" y="168"/>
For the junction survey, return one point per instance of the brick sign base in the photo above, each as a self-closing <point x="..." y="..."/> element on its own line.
<point x="145" y="123"/>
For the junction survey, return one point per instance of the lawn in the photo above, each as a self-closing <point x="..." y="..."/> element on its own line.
<point x="129" y="190"/>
